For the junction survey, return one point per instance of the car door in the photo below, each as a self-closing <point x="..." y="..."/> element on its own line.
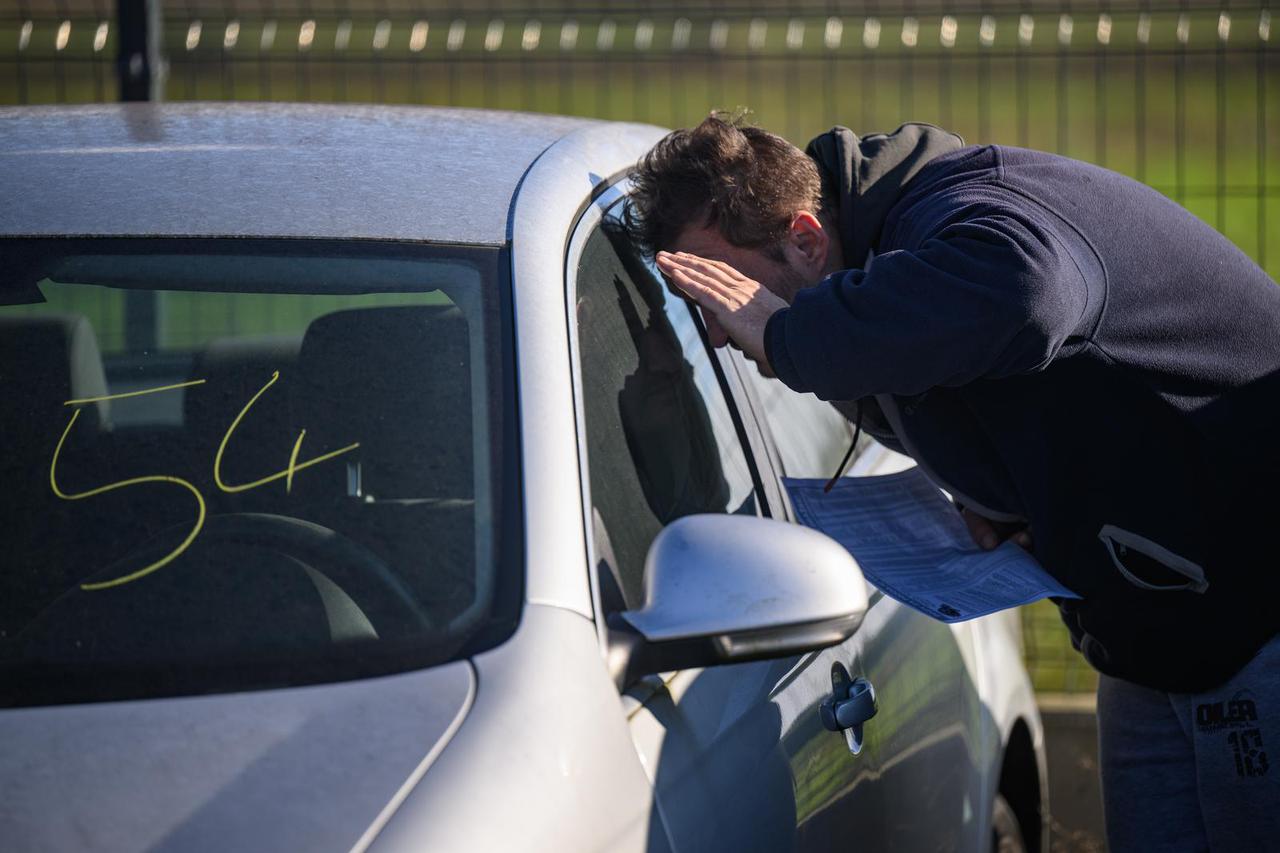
<point x="736" y="754"/>
<point x="925" y="743"/>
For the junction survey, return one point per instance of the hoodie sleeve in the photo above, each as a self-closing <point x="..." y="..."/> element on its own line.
<point x="993" y="295"/>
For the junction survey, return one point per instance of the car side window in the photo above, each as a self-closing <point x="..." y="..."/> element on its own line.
<point x="811" y="436"/>
<point x="661" y="439"/>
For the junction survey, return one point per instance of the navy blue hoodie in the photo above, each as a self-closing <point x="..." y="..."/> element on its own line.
<point x="1056" y="343"/>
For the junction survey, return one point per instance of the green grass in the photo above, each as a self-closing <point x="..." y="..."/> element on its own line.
<point x="1054" y="666"/>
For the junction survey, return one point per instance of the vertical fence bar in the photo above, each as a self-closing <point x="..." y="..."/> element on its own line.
<point x="1220" y="113"/>
<point x="453" y="43"/>
<point x="794" y="44"/>
<point x="140" y="66"/>
<point x="230" y="39"/>
<point x="1183" y="35"/>
<point x="99" y="42"/>
<point x="1026" y="32"/>
<point x="757" y="36"/>
<point x="194" y="33"/>
<point x="910" y="37"/>
<point x="61" y="36"/>
<point x="606" y="32"/>
<point x="948" y="31"/>
<point x="1141" y="37"/>
<point x="378" y="44"/>
<point x="1100" y="86"/>
<point x="567" y="41"/>
<point x="305" y="39"/>
<point x="986" y="41"/>
<point x="832" y="44"/>
<point x="26" y="27"/>
<point x="871" y="44"/>
<point x="641" y="66"/>
<point x="1066" y="27"/>
<point x="1262" y="190"/>
<point x="526" y="37"/>
<point x="139" y="62"/>
<point x="265" y="42"/>
<point x="419" y="59"/>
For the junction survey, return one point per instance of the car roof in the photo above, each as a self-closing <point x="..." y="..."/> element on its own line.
<point x="431" y="174"/>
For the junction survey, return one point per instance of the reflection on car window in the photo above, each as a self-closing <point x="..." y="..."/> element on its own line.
<point x="661" y="441"/>
<point x="264" y="474"/>
<point x="810" y="435"/>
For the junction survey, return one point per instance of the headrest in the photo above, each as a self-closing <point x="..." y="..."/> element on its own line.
<point x="45" y="361"/>
<point x="398" y="381"/>
<point x="234" y="370"/>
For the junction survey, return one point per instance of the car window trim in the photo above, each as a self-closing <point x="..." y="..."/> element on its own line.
<point x="767" y="440"/>
<point x="37" y="685"/>
<point x="601" y="202"/>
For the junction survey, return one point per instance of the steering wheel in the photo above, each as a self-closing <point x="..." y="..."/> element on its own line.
<point x="358" y="572"/>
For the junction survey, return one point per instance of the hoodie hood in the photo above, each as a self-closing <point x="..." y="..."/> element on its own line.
<point x="863" y="177"/>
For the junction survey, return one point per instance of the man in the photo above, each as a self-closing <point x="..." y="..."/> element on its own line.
<point x="1080" y="362"/>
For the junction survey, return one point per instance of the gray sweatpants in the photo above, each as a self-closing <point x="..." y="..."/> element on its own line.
<point x="1193" y="771"/>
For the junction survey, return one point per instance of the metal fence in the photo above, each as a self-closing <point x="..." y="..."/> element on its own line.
<point x="1180" y="95"/>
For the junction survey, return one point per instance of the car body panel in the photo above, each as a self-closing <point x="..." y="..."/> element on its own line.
<point x="307" y="768"/>
<point x="308" y="171"/>
<point x="550" y="200"/>
<point x="542" y="763"/>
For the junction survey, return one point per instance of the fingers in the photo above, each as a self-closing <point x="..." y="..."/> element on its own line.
<point x="982" y="531"/>
<point x="710" y="278"/>
<point x="718" y="269"/>
<point x="741" y="306"/>
<point x="988" y="535"/>
<point x="704" y="295"/>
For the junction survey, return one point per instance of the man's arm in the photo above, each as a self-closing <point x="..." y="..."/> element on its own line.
<point x="987" y="297"/>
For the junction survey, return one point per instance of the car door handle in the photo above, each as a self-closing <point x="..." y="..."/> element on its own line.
<point x="855" y="707"/>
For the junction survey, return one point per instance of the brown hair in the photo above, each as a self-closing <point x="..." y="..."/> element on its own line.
<point x="745" y="181"/>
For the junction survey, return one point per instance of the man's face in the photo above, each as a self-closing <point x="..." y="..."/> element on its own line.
<point x="783" y="277"/>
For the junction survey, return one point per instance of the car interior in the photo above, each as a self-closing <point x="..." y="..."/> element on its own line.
<point x="293" y="554"/>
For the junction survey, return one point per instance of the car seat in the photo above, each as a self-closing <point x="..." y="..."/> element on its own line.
<point x="44" y="362"/>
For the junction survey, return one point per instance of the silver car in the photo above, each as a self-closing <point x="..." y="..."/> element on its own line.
<point x="365" y="488"/>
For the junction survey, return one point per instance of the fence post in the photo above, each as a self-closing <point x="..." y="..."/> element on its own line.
<point x="141" y="67"/>
<point x="140" y="64"/>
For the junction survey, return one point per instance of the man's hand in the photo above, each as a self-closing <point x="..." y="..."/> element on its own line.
<point x="740" y="305"/>
<point x="988" y="534"/>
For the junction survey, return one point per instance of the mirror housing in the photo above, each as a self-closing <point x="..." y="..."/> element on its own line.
<point x="727" y="588"/>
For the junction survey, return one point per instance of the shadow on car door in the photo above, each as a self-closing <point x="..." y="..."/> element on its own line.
<point x="740" y="761"/>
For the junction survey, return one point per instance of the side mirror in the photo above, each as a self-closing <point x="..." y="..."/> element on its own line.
<point x="727" y="588"/>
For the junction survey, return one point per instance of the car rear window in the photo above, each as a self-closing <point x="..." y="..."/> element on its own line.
<point x="234" y="465"/>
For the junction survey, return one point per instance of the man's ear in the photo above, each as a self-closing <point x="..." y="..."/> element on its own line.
<point x="808" y="243"/>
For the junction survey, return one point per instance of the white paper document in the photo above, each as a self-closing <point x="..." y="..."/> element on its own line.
<point x="912" y="544"/>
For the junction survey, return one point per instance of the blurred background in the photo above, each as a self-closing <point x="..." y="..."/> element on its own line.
<point x="1180" y="95"/>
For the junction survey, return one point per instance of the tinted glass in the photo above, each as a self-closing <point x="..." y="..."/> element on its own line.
<point x="661" y="440"/>
<point x="810" y="435"/>
<point x="231" y="470"/>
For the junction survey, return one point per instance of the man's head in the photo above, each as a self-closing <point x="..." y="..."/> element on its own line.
<point x="731" y="192"/>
